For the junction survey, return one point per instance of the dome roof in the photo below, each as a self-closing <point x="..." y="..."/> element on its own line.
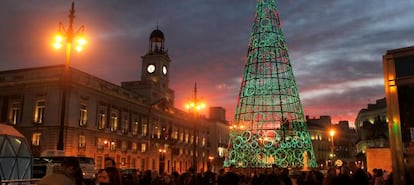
<point x="157" y="36"/>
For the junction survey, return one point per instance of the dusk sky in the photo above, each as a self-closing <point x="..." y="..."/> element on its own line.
<point x="335" y="47"/>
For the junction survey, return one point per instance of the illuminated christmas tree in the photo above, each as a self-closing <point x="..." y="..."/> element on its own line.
<point x="269" y="126"/>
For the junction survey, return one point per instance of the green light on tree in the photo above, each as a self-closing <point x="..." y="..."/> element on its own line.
<point x="269" y="126"/>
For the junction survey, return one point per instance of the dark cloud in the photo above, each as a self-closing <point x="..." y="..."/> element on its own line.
<point x="330" y="43"/>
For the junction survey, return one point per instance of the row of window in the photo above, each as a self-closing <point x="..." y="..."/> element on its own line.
<point x="180" y="134"/>
<point x="112" y="145"/>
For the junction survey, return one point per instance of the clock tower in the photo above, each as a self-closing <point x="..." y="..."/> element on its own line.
<point x="156" y="63"/>
<point x="155" y="71"/>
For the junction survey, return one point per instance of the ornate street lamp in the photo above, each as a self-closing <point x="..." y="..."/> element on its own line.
<point x="195" y="105"/>
<point x="67" y="37"/>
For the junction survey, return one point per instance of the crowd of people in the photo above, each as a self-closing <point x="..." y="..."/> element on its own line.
<point x="70" y="173"/>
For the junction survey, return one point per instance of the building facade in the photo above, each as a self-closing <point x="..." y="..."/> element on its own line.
<point x="319" y="131"/>
<point x="331" y="148"/>
<point x="135" y="123"/>
<point x="399" y="90"/>
<point x="371" y="127"/>
<point x="219" y="134"/>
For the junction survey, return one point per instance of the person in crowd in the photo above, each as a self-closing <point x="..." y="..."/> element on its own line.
<point x="360" y="177"/>
<point x="130" y="177"/>
<point x="231" y="178"/>
<point x="378" y="177"/>
<point x="68" y="173"/>
<point x="109" y="162"/>
<point x="307" y="178"/>
<point x="284" y="177"/>
<point x="190" y="177"/>
<point x="344" y="177"/>
<point x="146" y="178"/>
<point x="209" y="177"/>
<point x="330" y="175"/>
<point x="176" y="178"/>
<point x="244" y="179"/>
<point x="102" y="177"/>
<point x="109" y="176"/>
<point x="220" y="177"/>
<point x="391" y="182"/>
<point x="156" y="178"/>
<point x="200" y="177"/>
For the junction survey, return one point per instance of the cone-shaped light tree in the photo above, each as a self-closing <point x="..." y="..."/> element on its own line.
<point x="269" y="126"/>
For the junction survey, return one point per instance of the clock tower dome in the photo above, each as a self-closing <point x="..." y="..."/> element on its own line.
<point x="156" y="63"/>
<point x="155" y="72"/>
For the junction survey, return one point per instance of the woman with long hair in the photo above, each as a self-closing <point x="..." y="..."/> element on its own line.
<point x="109" y="176"/>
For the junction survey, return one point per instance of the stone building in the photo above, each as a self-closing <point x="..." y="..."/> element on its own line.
<point x="318" y="129"/>
<point x="135" y="123"/>
<point x="371" y="127"/>
<point x="328" y="149"/>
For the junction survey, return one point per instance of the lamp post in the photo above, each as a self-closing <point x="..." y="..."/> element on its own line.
<point x="67" y="37"/>
<point x="332" y="134"/>
<point x="194" y="106"/>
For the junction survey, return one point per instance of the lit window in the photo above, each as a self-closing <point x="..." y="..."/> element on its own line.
<point x="123" y="161"/>
<point x="181" y="136"/>
<point x="125" y="126"/>
<point x="113" y="146"/>
<point x="102" y="143"/>
<point x="124" y="146"/>
<point x="82" y="141"/>
<point x="175" y="134"/>
<point x="144" y="130"/>
<point x="14" y="113"/>
<point x="39" y="112"/>
<point x="203" y="142"/>
<point x="135" y="127"/>
<point x="114" y="122"/>
<point x="143" y="147"/>
<point x="186" y="137"/>
<point x="83" y="115"/>
<point x="134" y="147"/>
<point x="158" y="130"/>
<point x="101" y="120"/>
<point x="191" y="139"/>
<point x="36" y="138"/>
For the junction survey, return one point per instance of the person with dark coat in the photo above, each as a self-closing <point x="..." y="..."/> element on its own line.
<point x="284" y="177"/>
<point x="360" y="177"/>
<point x="146" y="178"/>
<point x="209" y="177"/>
<point x="231" y="178"/>
<point x="220" y="177"/>
<point x="343" y="178"/>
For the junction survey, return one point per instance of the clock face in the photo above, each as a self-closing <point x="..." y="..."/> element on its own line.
<point x="164" y="70"/>
<point x="151" y="68"/>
